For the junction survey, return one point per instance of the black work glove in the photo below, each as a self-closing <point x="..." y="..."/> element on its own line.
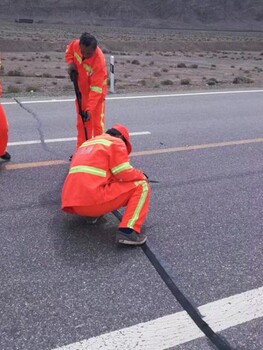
<point x="72" y="71"/>
<point x="71" y="67"/>
<point x="73" y="75"/>
<point x="85" y="116"/>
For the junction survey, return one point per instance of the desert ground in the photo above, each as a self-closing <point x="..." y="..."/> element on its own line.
<point x="146" y="60"/>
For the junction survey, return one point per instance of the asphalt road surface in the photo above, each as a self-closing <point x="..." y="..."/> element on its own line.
<point x="66" y="285"/>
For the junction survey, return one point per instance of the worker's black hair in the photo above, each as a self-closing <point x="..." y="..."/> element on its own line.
<point x="116" y="133"/>
<point x="87" y="39"/>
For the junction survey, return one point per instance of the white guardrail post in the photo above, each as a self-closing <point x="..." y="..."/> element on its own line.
<point x="112" y="74"/>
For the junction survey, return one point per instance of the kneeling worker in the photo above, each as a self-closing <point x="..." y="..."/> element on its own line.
<point x="101" y="179"/>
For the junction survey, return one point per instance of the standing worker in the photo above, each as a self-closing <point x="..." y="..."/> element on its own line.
<point x="86" y="60"/>
<point x="4" y="155"/>
<point x="101" y="180"/>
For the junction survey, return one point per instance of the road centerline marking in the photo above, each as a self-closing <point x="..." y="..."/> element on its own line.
<point x="10" y="166"/>
<point x="17" y="166"/>
<point x="197" y="147"/>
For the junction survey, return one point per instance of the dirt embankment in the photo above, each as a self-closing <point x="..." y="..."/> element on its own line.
<point x="205" y="14"/>
<point x="148" y="60"/>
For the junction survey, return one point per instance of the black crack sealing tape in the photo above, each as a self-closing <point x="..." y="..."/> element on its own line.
<point x="219" y="342"/>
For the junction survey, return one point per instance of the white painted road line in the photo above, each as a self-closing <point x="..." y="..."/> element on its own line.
<point x="33" y="142"/>
<point x="185" y="94"/>
<point x="178" y="328"/>
<point x="130" y="97"/>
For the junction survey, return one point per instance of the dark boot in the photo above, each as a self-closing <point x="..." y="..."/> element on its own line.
<point x="132" y="238"/>
<point x="6" y="156"/>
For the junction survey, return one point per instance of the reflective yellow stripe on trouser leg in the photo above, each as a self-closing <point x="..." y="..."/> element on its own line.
<point x="141" y="202"/>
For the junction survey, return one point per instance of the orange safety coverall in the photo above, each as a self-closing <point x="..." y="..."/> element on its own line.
<point x="101" y="179"/>
<point x="92" y="82"/>
<point x="3" y="128"/>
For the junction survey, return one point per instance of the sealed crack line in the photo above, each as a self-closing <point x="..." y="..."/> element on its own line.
<point x="39" y="126"/>
<point x="219" y="342"/>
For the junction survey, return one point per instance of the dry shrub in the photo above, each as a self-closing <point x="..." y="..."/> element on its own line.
<point x="15" y="73"/>
<point x="212" y="81"/>
<point x="167" y="82"/>
<point x="135" y="62"/>
<point x="181" y="65"/>
<point x="13" y="89"/>
<point x="142" y="82"/>
<point x="242" y="80"/>
<point x="185" y="81"/>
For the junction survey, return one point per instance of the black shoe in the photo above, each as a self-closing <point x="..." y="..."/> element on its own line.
<point x="70" y="157"/>
<point x="132" y="238"/>
<point x="6" y="156"/>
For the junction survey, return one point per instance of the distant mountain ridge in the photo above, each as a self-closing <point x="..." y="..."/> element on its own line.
<point x="243" y="14"/>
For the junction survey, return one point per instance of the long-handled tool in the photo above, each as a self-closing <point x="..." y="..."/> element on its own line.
<point x="84" y="117"/>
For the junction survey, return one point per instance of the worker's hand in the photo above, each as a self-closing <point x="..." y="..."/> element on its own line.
<point x="73" y="75"/>
<point x="72" y="71"/>
<point x="85" y="116"/>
